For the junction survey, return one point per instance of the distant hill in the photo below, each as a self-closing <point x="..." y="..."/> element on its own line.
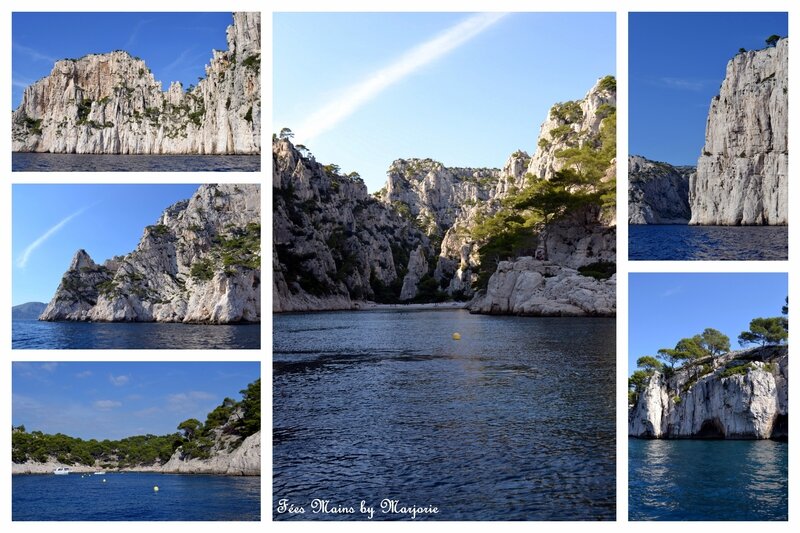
<point x="27" y="311"/>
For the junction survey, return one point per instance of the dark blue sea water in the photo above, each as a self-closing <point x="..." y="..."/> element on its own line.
<point x="513" y="422"/>
<point x="705" y="243"/>
<point x="130" y="496"/>
<point x="32" y="334"/>
<point x="30" y="162"/>
<point x="707" y="480"/>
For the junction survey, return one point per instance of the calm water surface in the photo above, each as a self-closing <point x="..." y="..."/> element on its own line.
<point x="31" y="162"/>
<point x="707" y="480"/>
<point x="33" y="334"/>
<point x="703" y="243"/>
<point x="130" y="496"/>
<point x="513" y="422"/>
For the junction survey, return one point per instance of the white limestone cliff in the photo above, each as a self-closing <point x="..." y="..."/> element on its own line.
<point x="742" y="174"/>
<point x="530" y="287"/>
<point x="751" y="404"/>
<point x="110" y="103"/>
<point x="199" y="263"/>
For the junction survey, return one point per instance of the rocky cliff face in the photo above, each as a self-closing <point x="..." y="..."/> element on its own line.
<point x="333" y="243"/>
<point x="244" y="460"/>
<point x="111" y="104"/>
<point x="742" y="174"/>
<point x="199" y="263"/>
<point x="445" y="203"/>
<point x="658" y="193"/>
<point x="570" y="125"/>
<point x="703" y="402"/>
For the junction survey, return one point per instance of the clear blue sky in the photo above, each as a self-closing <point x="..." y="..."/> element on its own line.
<point x="473" y="106"/>
<point x="117" y="400"/>
<point x="677" y="63"/>
<point x="107" y="220"/>
<point x="176" y="46"/>
<point x="664" y="308"/>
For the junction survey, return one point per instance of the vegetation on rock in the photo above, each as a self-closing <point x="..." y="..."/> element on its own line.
<point x="237" y="420"/>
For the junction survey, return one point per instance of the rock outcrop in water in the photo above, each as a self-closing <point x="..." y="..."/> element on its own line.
<point x="742" y="174"/>
<point x="658" y="193"/>
<point x="530" y="287"/>
<point x="199" y="263"/>
<point x="111" y="104"/>
<point x="739" y="395"/>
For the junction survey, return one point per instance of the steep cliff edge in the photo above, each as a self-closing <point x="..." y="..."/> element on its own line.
<point x="333" y="243"/>
<point x="658" y="193"/>
<point x="742" y="174"/>
<point x="573" y="252"/>
<point x="199" y="263"/>
<point x="739" y="395"/>
<point x="422" y="236"/>
<point x="451" y="204"/>
<point x="111" y="104"/>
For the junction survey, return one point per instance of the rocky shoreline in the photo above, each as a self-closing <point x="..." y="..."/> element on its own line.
<point x="243" y="461"/>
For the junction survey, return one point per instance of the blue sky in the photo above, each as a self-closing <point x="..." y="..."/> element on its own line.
<point x="176" y="46"/>
<point x="677" y="63"/>
<point x="117" y="400"/>
<point x="473" y="106"/>
<point x="664" y="308"/>
<point x="104" y="220"/>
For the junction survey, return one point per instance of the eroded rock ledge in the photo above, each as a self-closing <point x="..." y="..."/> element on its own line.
<point x="529" y="287"/>
<point x="705" y="401"/>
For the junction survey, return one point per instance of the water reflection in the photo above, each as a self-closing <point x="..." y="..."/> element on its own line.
<point x="707" y="480"/>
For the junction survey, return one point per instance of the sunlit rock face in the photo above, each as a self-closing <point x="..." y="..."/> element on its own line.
<point x="748" y="405"/>
<point x="742" y="173"/>
<point x="200" y="263"/>
<point x="110" y="103"/>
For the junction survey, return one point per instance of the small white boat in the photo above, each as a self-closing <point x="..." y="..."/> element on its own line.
<point x="99" y="473"/>
<point x="61" y="471"/>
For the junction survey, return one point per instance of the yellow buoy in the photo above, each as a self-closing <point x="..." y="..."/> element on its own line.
<point x="456" y="336"/>
<point x="155" y="489"/>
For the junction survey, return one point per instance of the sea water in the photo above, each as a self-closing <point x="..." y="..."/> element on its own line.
<point x="515" y="421"/>
<point x="34" y="334"/>
<point x="707" y="243"/>
<point x="707" y="480"/>
<point x="130" y="496"/>
<point x="33" y="162"/>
